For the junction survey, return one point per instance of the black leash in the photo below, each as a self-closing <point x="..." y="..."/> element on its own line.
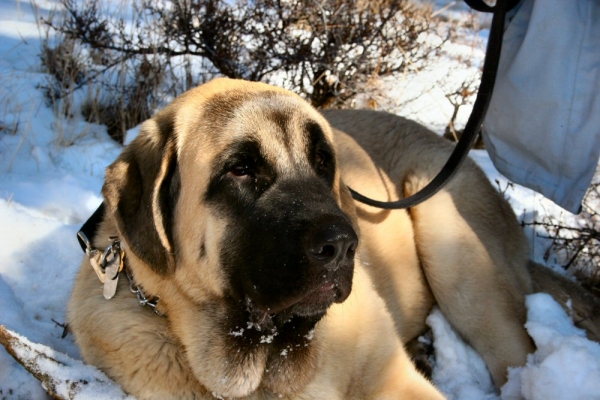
<point x="484" y="95"/>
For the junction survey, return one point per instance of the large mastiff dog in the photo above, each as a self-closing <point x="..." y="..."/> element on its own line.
<point x="232" y="209"/>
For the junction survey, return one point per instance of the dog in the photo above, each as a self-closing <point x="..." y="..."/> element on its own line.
<point x="233" y="210"/>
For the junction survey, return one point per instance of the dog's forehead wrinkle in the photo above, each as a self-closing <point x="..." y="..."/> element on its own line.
<point x="270" y="134"/>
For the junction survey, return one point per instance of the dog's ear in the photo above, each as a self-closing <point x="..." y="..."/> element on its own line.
<point x="141" y="191"/>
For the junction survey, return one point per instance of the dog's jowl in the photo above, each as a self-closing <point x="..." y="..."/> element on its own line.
<point x="267" y="279"/>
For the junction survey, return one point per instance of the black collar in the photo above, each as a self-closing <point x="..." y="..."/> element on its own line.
<point x="90" y="227"/>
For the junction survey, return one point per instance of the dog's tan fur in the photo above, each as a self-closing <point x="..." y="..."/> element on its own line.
<point x="463" y="249"/>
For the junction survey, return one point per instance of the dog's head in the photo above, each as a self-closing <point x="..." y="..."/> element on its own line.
<point x="234" y="190"/>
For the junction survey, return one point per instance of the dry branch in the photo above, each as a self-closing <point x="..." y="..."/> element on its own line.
<point x="61" y="376"/>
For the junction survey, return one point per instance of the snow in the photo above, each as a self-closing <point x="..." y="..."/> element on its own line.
<point x="565" y="366"/>
<point x="51" y="173"/>
<point x="459" y="371"/>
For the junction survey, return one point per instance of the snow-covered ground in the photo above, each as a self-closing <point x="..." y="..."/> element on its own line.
<point x="48" y="189"/>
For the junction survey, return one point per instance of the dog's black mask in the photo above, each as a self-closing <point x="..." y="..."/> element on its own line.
<point x="290" y="250"/>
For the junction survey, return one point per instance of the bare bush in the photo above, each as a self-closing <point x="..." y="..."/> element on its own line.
<point x="462" y="96"/>
<point x="324" y="50"/>
<point x="127" y="102"/>
<point x="576" y="246"/>
<point x="66" y="69"/>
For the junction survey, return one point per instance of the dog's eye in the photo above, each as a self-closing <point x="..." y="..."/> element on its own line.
<point x="241" y="170"/>
<point x="322" y="159"/>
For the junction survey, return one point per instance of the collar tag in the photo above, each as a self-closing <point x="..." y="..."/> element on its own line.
<point x="107" y="265"/>
<point x="113" y="264"/>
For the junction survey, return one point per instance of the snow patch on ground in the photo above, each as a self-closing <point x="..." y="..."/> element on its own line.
<point x="459" y="371"/>
<point x="566" y="364"/>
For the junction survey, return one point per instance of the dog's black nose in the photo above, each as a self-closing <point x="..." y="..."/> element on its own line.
<point x="332" y="244"/>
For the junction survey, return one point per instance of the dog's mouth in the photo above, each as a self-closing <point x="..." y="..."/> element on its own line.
<point x="313" y="302"/>
<point x="321" y="298"/>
